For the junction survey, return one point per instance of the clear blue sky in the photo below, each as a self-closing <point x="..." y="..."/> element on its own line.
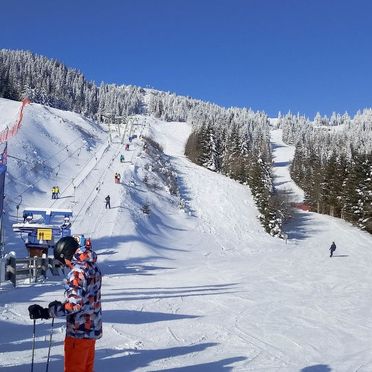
<point x="272" y="55"/>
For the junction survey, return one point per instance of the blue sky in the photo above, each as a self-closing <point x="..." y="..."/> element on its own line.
<point x="273" y="55"/>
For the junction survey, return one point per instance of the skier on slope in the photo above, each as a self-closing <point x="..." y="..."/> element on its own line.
<point x="82" y="305"/>
<point x="332" y="249"/>
<point x="108" y="205"/>
<point x="56" y="192"/>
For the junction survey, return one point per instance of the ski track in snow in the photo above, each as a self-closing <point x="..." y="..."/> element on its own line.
<point x="202" y="291"/>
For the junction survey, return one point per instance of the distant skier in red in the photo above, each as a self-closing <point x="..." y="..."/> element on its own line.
<point x="117" y="177"/>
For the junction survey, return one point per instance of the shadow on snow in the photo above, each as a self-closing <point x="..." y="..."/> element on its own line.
<point x="300" y="226"/>
<point x="317" y="368"/>
<point x="171" y="292"/>
<point x="131" y="359"/>
<point x="141" y="317"/>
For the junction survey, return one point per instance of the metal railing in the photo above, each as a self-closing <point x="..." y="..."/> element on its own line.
<point x="32" y="268"/>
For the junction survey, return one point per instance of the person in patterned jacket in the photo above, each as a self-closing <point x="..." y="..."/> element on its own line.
<point x="82" y="305"/>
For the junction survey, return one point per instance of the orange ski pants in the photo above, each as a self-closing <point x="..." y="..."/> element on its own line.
<point x="79" y="354"/>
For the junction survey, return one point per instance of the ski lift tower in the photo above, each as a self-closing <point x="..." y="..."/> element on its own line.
<point x="120" y="121"/>
<point x="114" y="121"/>
<point x="132" y="122"/>
<point x="107" y="119"/>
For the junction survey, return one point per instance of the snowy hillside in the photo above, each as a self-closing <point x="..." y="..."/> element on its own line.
<point x="202" y="288"/>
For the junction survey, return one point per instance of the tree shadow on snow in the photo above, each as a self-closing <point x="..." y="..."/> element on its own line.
<point x="276" y="146"/>
<point x="126" y="360"/>
<point x="277" y="184"/>
<point x="182" y="186"/>
<point x="15" y="338"/>
<point x="281" y="164"/>
<point x="106" y="246"/>
<point x="131" y="267"/>
<point x="134" y="294"/>
<point x="107" y="252"/>
<point x="340" y="255"/>
<point x="55" y="364"/>
<point x="135" y="265"/>
<point x="145" y="236"/>
<point x="66" y="197"/>
<point x="300" y="226"/>
<point x="141" y="317"/>
<point x="134" y="187"/>
<point x="317" y="368"/>
<point x="157" y="222"/>
<point x="217" y="366"/>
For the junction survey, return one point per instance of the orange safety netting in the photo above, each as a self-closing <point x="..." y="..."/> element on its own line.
<point x="10" y="132"/>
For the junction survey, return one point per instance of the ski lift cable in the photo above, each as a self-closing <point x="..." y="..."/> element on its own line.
<point x="58" y="166"/>
<point x="106" y="169"/>
<point x="55" y="154"/>
<point x="85" y="165"/>
<point x="20" y="159"/>
<point x="97" y="220"/>
<point x="82" y="208"/>
<point x="45" y="163"/>
<point x="42" y="177"/>
<point x="87" y="162"/>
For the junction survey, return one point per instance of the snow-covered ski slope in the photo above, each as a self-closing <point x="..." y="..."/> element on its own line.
<point x="205" y="290"/>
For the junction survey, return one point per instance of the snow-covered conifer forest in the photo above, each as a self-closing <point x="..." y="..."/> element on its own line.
<point x="332" y="162"/>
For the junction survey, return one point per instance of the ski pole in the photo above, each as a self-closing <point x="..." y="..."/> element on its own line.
<point x="33" y="346"/>
<point x="50" y="344"/>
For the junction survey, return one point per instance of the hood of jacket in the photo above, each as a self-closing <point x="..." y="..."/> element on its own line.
<point x="83" y="255"/>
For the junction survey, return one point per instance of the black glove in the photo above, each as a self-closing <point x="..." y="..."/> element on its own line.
<point x="53" y="307"/>
<point x="38" y="312"/>
<point x="55" y="304"/>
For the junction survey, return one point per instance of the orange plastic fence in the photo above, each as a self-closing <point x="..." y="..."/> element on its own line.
<point x="10" y="132"/>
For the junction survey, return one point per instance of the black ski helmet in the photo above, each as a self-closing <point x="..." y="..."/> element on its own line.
<point x="65" y="248"/>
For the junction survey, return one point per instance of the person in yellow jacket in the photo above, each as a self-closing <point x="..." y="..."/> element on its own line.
<point x="56" y="192"/>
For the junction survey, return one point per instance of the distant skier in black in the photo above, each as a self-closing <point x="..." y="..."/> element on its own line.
<point x="332" y="248"/>
<point x="108" y="205"/>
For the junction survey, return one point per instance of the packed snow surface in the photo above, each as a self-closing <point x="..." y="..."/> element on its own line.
<point x="202" y="288"/>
